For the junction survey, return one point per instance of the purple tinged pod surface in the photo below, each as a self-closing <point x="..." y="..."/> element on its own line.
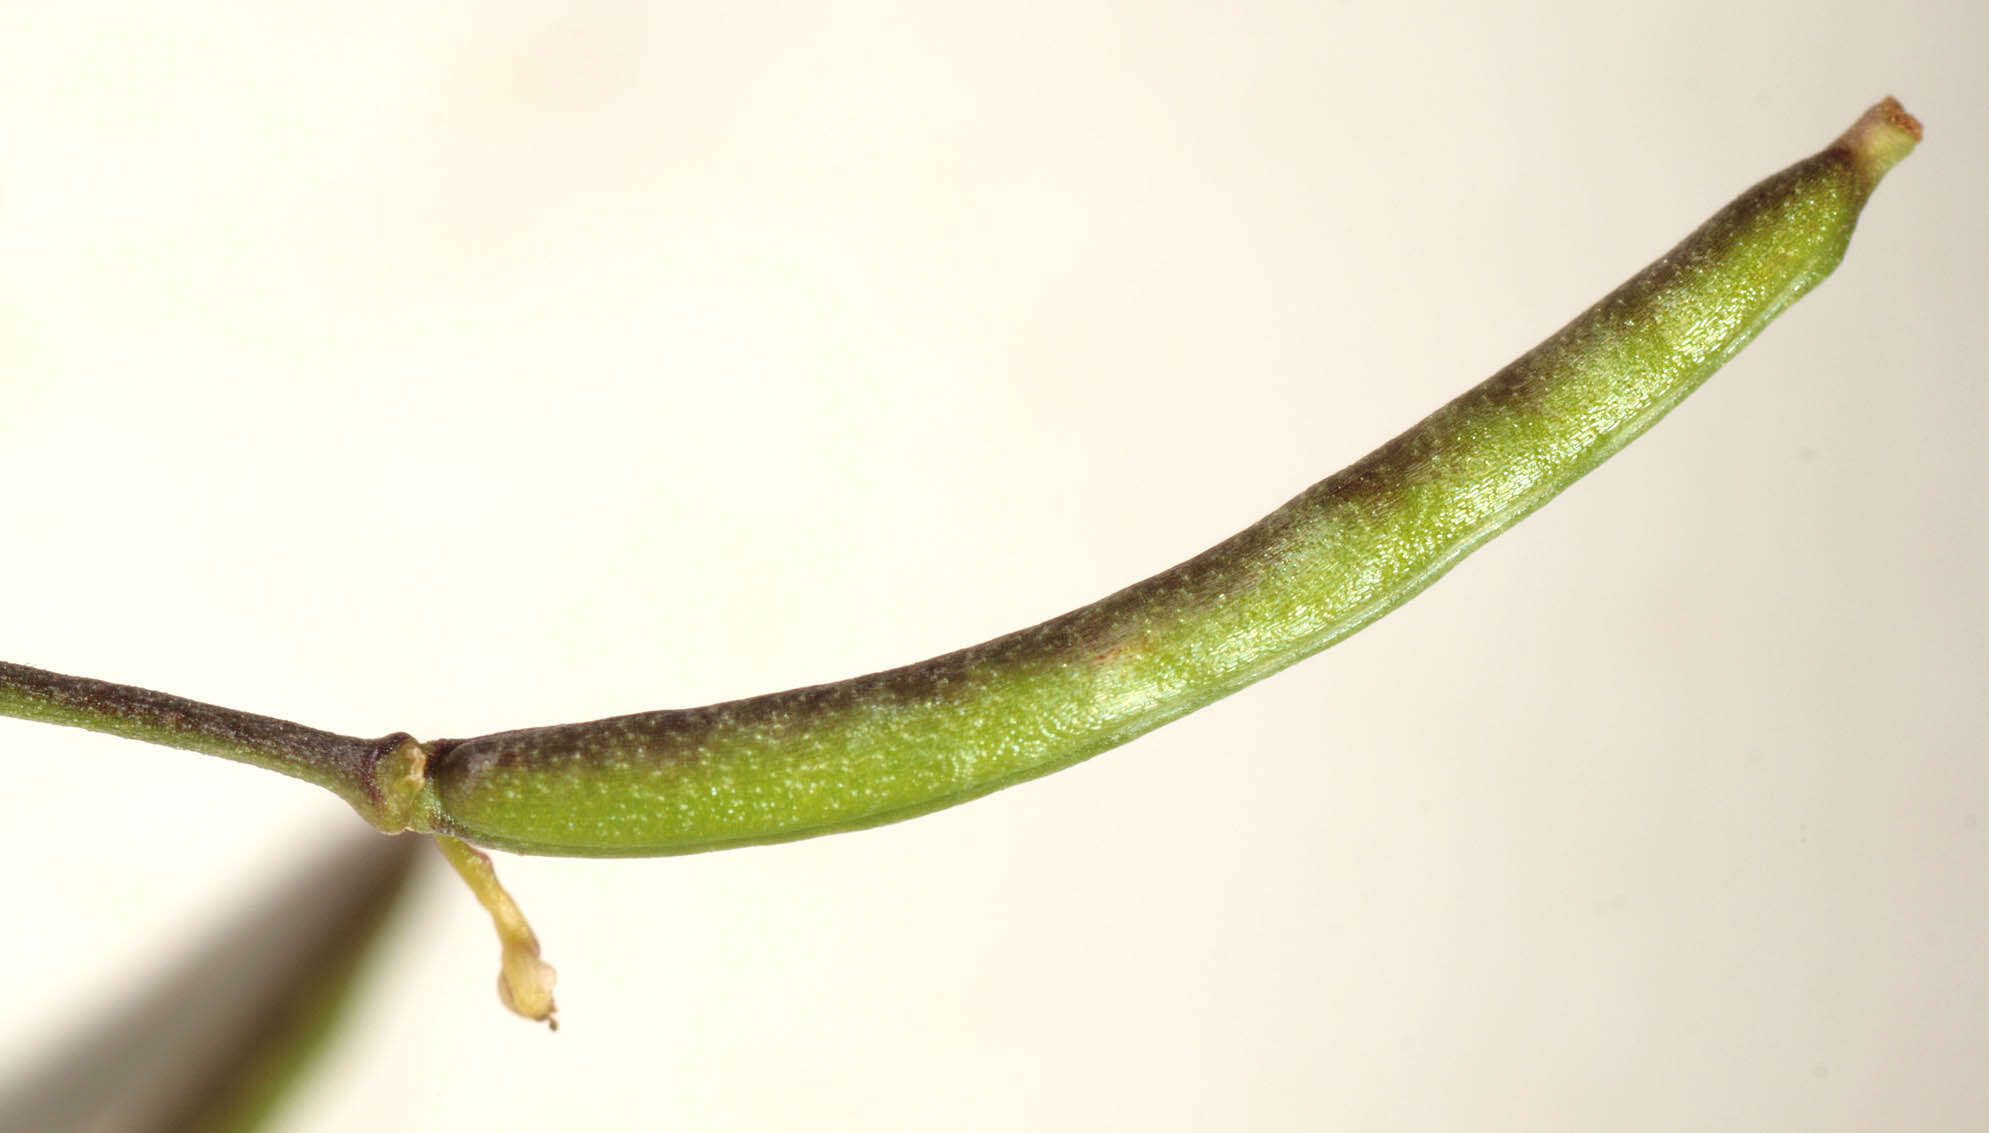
<point x="902" y="742"/>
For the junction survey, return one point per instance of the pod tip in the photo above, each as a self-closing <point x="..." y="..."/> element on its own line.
<point x="1880" y="139"/>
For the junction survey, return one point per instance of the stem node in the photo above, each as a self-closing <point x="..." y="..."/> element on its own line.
<point x="400" y="785"/>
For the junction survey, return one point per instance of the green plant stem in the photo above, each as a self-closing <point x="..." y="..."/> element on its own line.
<point x="891" y="745"/>
<point x="347" y="766"/>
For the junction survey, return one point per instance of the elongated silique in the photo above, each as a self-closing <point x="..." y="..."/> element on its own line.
<point x="906" y="741"/>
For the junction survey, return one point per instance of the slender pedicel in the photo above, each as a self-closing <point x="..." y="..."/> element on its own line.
<point x="371" y="775"/>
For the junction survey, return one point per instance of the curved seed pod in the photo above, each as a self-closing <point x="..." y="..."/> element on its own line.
<point x="902" y="742"/>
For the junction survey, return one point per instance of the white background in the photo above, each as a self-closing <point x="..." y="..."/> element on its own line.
<point x="452" y="367"/>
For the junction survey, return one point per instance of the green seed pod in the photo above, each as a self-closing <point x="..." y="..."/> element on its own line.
<point x="906" y="741"/>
